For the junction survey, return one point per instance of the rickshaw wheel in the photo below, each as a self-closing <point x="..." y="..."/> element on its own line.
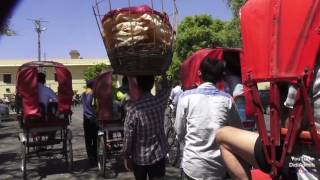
<point x="23" y="161"/>
<point x="174" y="148"/>
<point x="101" y="155"/>
<point x="111" y="162"/>
<point x="67" y="143"/>
<point x="69" y="152"/>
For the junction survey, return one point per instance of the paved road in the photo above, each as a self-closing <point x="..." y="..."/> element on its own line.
<point x="51" y="168"/>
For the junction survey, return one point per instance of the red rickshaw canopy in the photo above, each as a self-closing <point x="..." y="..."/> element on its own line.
<point x="280" y="38"/>
<point x="27" y="87"/>
<point x="189" y="68"/>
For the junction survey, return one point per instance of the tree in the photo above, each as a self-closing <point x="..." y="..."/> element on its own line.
<point x="194" y="32"/>
<point x="202" y="31"/>
<point x="174" y="68"/>
<point x="95" y="70"/>
<point x="235" y="6"/>
<point x="230" y="34"/>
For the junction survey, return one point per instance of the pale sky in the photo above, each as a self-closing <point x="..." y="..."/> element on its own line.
<point x="71" y="25"/>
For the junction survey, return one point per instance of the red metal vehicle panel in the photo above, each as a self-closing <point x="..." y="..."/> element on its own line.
<point x="280" y="38"/>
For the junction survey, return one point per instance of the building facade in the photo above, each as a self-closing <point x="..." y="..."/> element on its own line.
<point x="77" y="67"/>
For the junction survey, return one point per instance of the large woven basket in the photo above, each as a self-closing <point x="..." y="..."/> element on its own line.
<point x="138" y="40"/>
<point x="140" y="60"/>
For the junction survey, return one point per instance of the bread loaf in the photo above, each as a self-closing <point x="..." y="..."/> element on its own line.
<point x="128" y="27"/>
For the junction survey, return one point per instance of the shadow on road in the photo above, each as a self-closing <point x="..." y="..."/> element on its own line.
<point x="8" y="165"/>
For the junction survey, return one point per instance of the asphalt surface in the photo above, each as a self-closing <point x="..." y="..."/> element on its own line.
<point x="52" y="167"/>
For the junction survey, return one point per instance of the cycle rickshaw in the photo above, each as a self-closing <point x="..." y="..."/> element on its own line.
<point x="231" y="57"/>
<point x="190" y="79"/>
<point x="281" y="47"/>
<point x="110" y="133"/>
<point x="37" y="122"/>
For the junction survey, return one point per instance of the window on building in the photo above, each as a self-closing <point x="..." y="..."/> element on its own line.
<point x="7" y="78"/>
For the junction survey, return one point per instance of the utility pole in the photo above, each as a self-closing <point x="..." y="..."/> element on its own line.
<point x="39" y="29"/>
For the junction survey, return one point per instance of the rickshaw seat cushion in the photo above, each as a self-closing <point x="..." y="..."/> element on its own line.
<point x="257" y="174"/>
<point x="52" y="111"/>
<point x="49" y="117"/>
<point x="110" y="124"/>
<point x="304" y="136"/>
<point x="249" y="124"/>
<point x="39" y="123"/>
<point x="42" y="109"/>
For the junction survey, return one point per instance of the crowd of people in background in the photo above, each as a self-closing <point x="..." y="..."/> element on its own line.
<point x="199" y="113"/>
<point x="205" y="116"/>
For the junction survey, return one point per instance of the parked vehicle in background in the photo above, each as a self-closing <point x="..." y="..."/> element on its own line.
<point x="4" y="111"/>
<point x="44" y="127"/>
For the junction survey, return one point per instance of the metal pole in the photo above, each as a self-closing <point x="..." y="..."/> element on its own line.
<point x="38" y="29"/>
<point x="39" y="46"/>
<point x="100" y="31"/>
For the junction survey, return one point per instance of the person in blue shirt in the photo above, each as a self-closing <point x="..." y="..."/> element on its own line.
<point x="89" y="123"/>
<point x="46" y="94"/>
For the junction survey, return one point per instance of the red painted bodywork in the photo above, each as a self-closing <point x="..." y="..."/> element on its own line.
<point x="281" y="40"/>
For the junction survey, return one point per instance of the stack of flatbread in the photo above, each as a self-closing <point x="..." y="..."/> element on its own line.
<point x="129" y="28"/>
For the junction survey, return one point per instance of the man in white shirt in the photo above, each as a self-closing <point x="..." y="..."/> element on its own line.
<point x="175" y="93"/>
<point x="45" y="94"/>
<point x="200" y="113"/>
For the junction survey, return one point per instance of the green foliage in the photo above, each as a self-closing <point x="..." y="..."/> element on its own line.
<point x="235" y="6"/>
<point x="230" y="35"/>
<point x="174" y="69"/>
<point x="95" y="70"/>
<point x="194" y="32"/>
<point x="202" y="31"/>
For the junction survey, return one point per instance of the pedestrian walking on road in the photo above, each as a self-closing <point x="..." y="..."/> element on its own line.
<point x="200" y="113"/>
<point x="145" y="143"/>
<point x="90" y="123"/>
<point x="175" y="93"/>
